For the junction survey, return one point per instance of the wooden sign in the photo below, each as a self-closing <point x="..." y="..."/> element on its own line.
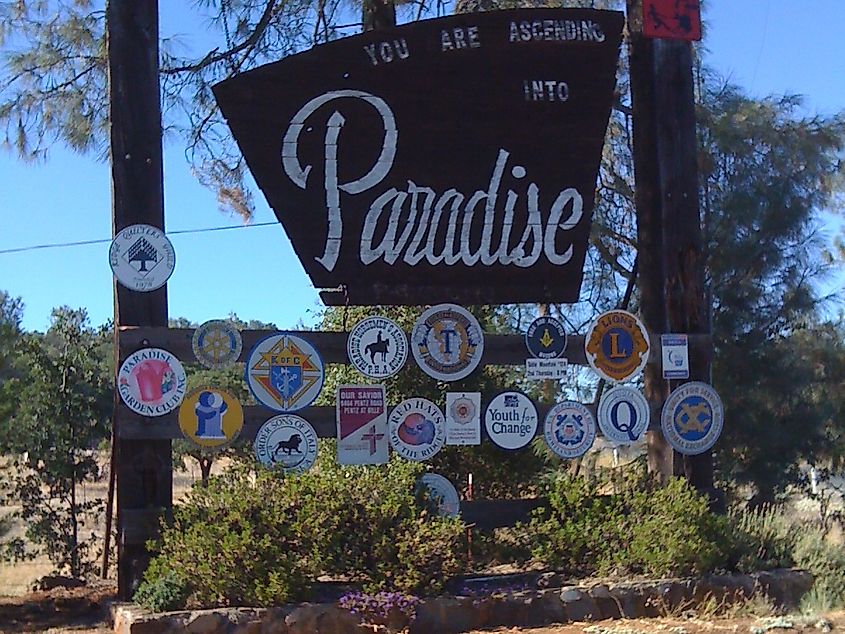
<point x="443" y="160"/>
<point x="672" y="19"/>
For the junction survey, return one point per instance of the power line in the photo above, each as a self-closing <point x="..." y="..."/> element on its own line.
<point x="57" y="245"/>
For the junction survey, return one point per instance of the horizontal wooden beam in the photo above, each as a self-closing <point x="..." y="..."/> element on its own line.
<point x="498" y="349"/>
<point x="322" y="419"/>
<point x="141" y="525"/>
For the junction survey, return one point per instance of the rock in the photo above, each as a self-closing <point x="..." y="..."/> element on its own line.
<point x="51" y="582"/>
<point x="206" y="622"/>
<point x="549" y="580"/>
<point x="323" y="618"/>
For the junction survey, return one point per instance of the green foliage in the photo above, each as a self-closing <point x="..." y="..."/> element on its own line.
<point x="262" y="539"/>
<point x="162" y="590"/>
<point x="62" y="414"/>
<point x="657" y="531"/>
<point x="764" y="538"/>
<point x="826" y="561"/>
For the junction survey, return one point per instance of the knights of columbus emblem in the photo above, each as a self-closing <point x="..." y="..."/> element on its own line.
<point x="285" y="373"/>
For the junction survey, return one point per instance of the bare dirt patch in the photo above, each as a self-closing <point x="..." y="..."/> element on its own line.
<point x="84" y="609"/>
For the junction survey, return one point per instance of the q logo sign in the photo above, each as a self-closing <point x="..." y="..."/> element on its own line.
<point x="623" y="415"/>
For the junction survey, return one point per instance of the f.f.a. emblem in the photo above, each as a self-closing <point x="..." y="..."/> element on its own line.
<point x="284" y="372"/>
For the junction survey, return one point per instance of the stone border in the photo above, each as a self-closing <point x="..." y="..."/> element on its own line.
<point x="450" y="615"/>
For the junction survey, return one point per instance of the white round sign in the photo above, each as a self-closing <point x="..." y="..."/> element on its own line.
<point x="623" y="414"/>
<point x="511" y="420"/>
<point x="447" y="342"/>
<point x="151" y="382"/>
<point x="217" y="343"/>
<point x="284" y="372"/>
<point x="417" y="429"/>
<point x="443" y="493"/>
<point x="692" y="418"/>
<point x="287" y="442"/>
<point x="569" y="429"/>
<point x="142" y="258"/>
<point x="377" y="347"/>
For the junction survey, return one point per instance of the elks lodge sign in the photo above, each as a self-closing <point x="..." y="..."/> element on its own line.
<point x="443" y="160"/>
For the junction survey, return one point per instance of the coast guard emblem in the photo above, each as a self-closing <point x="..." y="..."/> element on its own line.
<point x="287" y="442"/>
<point x="217" y="343"/>
<point x="447" y="342"/>
<point x="569" y="429"/>
<point x="211" y="418"/>
<point x="617" y="345"/>
<point x="284" y="372"/>
<point x="692" y="418"/>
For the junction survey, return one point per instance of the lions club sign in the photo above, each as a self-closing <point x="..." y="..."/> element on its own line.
<point x="443" y="160"/>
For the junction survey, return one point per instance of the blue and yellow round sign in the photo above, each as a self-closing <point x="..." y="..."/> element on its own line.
<point x="692" y="418"/>
<point x="211" y="418"/>
<point x="617" y="345"/>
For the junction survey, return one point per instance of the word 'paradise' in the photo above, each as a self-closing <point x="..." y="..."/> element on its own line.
<point x="409" y="221"/>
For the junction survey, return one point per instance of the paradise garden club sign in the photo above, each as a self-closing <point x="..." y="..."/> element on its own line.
<point x="443" y="160"/>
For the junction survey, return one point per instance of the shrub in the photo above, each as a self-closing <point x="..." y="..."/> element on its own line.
<point x="162" y="590"/>
<point x="764" y="538"/>
<point x="673" y="533"/>
<point x="826" y="561"/>
<point x="646" y="529"/>
<point x="263" y="539"/>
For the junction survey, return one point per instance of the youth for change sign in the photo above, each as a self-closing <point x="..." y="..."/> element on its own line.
<point x="443" y="160"/>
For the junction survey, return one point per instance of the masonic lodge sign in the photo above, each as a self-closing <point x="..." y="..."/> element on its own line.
<point x="443" y="160"/>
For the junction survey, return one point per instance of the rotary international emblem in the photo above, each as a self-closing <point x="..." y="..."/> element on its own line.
<point x="692" y="418"/>
<point x="284" y="372"/>
<point x="569" y="429"/>
<point x="217" y="343"/>
<point x="287" y="442"/>
<point x="211" y="418"/>
<point x="447" y="342"/>
<point x="617" y="345"/>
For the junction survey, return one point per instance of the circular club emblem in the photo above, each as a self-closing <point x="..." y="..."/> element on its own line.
<point x="623" y="414"/>
<point x="447" y="342"/>
<point x="617" y="345"/>
<point x="284" y="372"/>
<point x="217" y="343"/>
<point x="569" y="429"/>
<point x="692" y="418"/>
<point x="377" y="347"/>
<point x="443" y="493"/>
<point x="417" y="429"/>
<point x="511" y="420"/>
<point x="142" y="258"/>
<point x="151" y="382"/>
<point x="546" y="338"/>
<point x="287" y="442"/>
<point x="211" y="418"/>
<point x="463" y="410"/>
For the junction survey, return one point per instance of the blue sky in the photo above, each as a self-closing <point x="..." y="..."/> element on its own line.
<point x="766" y="46"/>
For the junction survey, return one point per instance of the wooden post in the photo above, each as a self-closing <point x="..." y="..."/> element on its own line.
<point x="683" y="253"/>
<point x="144" y="467"/>
<point x="662" y="459"/>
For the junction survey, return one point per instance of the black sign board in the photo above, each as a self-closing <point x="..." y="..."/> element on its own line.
<point x="444" y="160"/>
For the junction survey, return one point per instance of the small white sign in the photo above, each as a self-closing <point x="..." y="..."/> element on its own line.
<point x="463" y="418"/>
<point x="542" y="369"/>
<point x="675" y="356"/>
<point x="361" y="425"/>
<point x="142" y="258"/>
<point x="511" y="420"/>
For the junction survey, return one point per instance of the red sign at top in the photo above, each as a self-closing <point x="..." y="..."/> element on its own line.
<point x="672" y="19"/>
